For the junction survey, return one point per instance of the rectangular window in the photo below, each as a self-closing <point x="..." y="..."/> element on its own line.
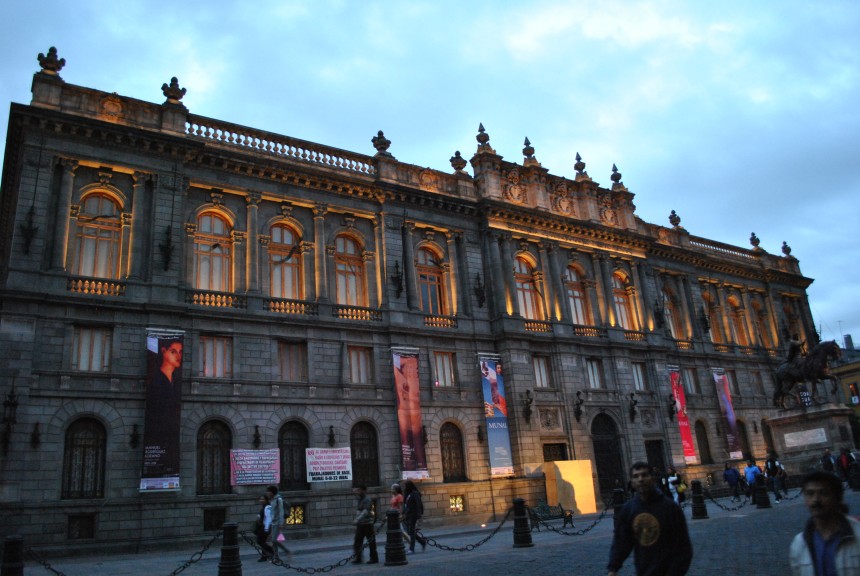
<point x="594" y="373"/>
<point x="360" y="367"/>
<point x="216" y="357"/>
<point x="293" y="359"/>
<point x="541" y="366"/>
<point x="640" y="381"/>
<point x="733" y="383"/>
<point x="91" y="349"/>
<point x="758" y="383"/>
<point x="691" y="381"/>
<point x="443" y="363"/>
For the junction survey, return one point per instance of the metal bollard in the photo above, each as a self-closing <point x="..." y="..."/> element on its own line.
<point x="617" y="504"/>
<point x="230" y="563"/>
<point x="395" y="550"/>
<point x="13" y="556"/>
<point x="700" y="511"/>
<point x="762" y="500"/>
<point x="522" y="530"/>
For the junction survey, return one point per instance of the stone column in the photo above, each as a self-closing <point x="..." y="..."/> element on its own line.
<point x="320" y="271"/>
<point x="773" y="317"/>
<point x="638" y="296"/>
<point x="138" y="227"/>
<point x="126" y="220"/>
<point x="253" y="256"/>
<point x="648" y="308"/>
<point x="550" y="291"/>
<point x="495" y="280"/>
<point x="686" y="306"/>
<point x="606" y="277"/>
<point x="306" y="249"/>
<point x="508" y="274"/>
<point x="372" y="287"/>
<point x="463" y="273"/>
<point x="64" y="206"/>
<point x="563" y="309"/>
<point x="265" y="286"/>
<point x="597" y="293"/>
<point x="453" y="274"/>
<point x="239" y="281"/>
<point x="724" y="313"/>
<point x="190" y="269"/>
<point x="754" y="338"/>
<point x="381" y="267"/>
<point x="409" y="267"/>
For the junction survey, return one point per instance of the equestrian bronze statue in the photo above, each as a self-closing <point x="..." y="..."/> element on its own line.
<point x="812" y="368"/>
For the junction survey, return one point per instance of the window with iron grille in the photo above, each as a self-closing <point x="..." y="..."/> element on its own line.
<point x="293" y="440"/>
<point x="91" y="349"/>
<point x="296" y="514"/>
<point x="214" y="441"/>
<point x="81" y="527"/>
<point x="84" y="459"/>
<point x="453" y="459"/>
<point x="365" y="455"/>
<point x="457" y="503"/>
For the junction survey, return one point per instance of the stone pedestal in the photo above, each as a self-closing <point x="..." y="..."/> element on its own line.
<point x="800" y="435"/>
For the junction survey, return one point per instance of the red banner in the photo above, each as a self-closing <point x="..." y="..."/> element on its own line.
<point x="681" y="415"/>
<point x="409" y="414"/>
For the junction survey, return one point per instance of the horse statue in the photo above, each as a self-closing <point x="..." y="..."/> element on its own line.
<point x="811" y="368"/>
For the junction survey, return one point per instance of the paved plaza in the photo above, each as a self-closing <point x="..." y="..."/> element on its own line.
<point x="747" y="540"/>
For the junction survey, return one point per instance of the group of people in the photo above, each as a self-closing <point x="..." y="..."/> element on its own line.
<point x="406" y="500"/>
<point x="652" y="525"/>
<point x="268" y="527"/>
<point x="840" y="465"/>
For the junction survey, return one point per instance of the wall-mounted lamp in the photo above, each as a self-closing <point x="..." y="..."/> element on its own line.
<point x="35" y="437"/>
<point x="331" y="438"/>
<point x="671" y="407"/>
<point x="424" y="438"/>
<point x="577" y="407"/>
<point x="633" y="403"/>
<point x="480" y="434"/>
<point x="134" y="437"/>
<point x="257" y="440"/>
<point x="527" y="406"/>
<point x="478" y="290"/>
<point x="397" y="279"/>
<point x="10" y="411"/>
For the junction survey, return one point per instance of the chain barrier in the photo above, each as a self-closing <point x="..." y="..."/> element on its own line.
<point x="45" y="564"/>
<point x="746" y="501"/>
<point x="287" y="566"/>
<point x="564" y="532"/>
<point x="469" y="547"/>
<point x="197" y="556"/>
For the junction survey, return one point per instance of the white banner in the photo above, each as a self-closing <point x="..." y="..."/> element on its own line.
<point x="327" y="464"/>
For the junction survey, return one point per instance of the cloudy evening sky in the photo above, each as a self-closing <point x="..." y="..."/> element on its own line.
<point x="741" y="116"/>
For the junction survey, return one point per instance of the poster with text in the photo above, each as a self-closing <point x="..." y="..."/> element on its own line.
<point x="255" y="467"/>
<point x="328" y="464"/>
<point x="496" y="413"/>
<point x="681" y="415"/>
<point x="163" y="410"/>
<point x="413" y="456"/>
<point x="728" y="412"/>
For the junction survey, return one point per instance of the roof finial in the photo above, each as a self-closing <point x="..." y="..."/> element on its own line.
<point x="51" y="65"/>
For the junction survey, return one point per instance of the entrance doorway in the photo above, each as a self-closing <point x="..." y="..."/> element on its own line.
<point x="655" y="455"/>
<point x="607" y="455"/>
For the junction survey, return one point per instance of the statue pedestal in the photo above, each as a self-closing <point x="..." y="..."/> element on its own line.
<point x="801" y="435"/>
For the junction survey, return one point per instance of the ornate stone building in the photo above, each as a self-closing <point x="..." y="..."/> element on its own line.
<point x="293" y="268"/>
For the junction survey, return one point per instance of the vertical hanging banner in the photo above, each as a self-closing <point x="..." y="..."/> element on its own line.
<point x="414" y="459"/>
<point x="681" y="414"/>
<point x="163" y="408"/>
<point x="728" y="411"/>
<point x="496" y="413"/>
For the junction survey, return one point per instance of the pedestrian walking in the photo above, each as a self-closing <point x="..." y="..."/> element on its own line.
<point x="262" y="529"/>
<point x="844" y="462"/>
<point x="364" y="526"/>
<point x="751" y="472"/>
<point x="732" y="478"/>
<point x="830" y="543"/>
<point x="413" y="510"/>
<point x="774" y="472"/>
<point x="278" y="513"/>
<point x="828" y="461"/>
<point x="653" y="527"/>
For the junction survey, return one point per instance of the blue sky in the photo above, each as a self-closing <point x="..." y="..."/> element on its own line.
<point x="741" y="116"/>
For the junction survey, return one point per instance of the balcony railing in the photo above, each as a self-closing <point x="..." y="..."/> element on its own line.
<point x="297" y="307"/>
<point x="538" y="326"/>
<point x="440" y="321"/>
<point x="634" y="336"/>
<point x="356" y="313"/>
<point x="589" y="331"/>
<point x="97" y="286"/>
<point x="216" y="299"/>
<point x="726" y="348"/>
<point x="684" y="344"/>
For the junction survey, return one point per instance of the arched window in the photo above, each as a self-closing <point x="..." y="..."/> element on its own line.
<point x="349" y="269"/>
<point x="527" y="292"/>
<point x="365" y="455"/>
<point x="84" y="459"/>
<point x="214" y="441"/>
<point x="453" y="460"/>
<point x="285" y="264"/>
<point x="621" y="299"/>
<point x="213" y="254"/>
<point x="292" y="440"/>
<point x="576" y="298"/>
<point x="430" y="283"/>
<point x="703" y="444"/>
<point x="736" y="323"/>
<point x="98" y="238"/>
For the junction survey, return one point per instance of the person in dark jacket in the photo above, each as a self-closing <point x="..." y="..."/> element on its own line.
<point x="413" y="510"/>
<point x="732" y="478"/>
<point x="653" y="527"/>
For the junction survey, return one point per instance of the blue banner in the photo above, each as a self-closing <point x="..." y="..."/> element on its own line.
<point x="496" y="413"/>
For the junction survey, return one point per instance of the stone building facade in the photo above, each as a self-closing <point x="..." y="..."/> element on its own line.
<point x="293" y="268"/>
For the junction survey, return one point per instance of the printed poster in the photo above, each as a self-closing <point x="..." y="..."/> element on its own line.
<point x="163" y="409"/>
<point x="496" y="413"/>
<point x="328" y="464"/>
<point x="681" y="415"/>
<point x="730" y="422"/>
<point x="261" y="467"/>
<point x="406" y="385"/>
